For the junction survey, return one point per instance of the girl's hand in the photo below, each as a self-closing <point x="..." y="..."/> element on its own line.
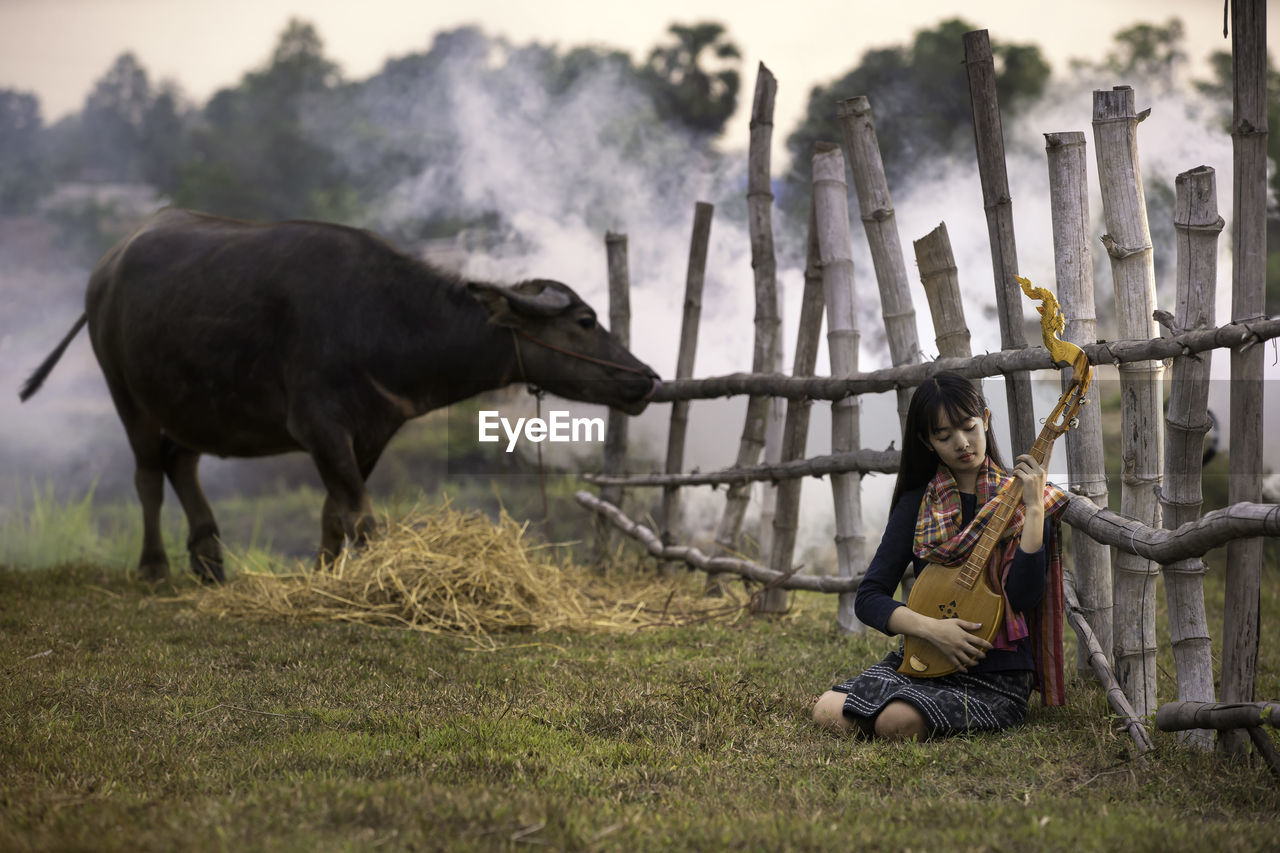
<point x="954" y="639"/>
<point x="1033" y="476"/>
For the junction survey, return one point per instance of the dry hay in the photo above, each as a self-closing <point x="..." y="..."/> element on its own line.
<point x="445" y="571"/>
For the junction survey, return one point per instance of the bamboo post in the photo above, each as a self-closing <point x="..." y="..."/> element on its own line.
<point x="989" y="139"/>
<point x="857" y="126"/>
<point x="773" y="429"/>
<point x="795" y="431"/>
<point x="835" y="250"/>
<point x="1128" y="242"/>
<point x="1197" y="224"/>
<point x="615" y="437"/>
<point x="764" y="264"/>
<point x="676" y="433"/>
<point x="941" y="283"/>
<point x="1097" y="659"/>
<point x="1248" y="297"/>
<point x="1073" y="268"/>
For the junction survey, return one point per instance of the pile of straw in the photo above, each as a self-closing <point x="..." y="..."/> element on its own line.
<point x="445" y="571"/>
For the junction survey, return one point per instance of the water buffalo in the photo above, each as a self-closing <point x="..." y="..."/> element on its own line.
<point x="244" y="339"/>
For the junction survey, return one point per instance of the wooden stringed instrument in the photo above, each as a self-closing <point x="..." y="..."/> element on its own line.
<point x="964" y="591"/>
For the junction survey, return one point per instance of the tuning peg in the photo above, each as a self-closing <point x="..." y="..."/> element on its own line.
<point x="1075" y="423"/>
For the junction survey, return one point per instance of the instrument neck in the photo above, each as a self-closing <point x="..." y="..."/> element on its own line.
<point x="1008" y="498"/>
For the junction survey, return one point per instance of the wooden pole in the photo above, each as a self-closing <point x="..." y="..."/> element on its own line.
<point x="1128" y="242"/>
<point x="989" y="139"/>
<point x="795" y="431"/>
<point x="615" y="437"/>
<point x="1197" y="224"/>
<point x="835" y="249"/>
<point x="1248" y="295"/>
<point x="676" y="433"/>
<point x="764" y="264"/>
<point x="942" y="290"/>
<point x="1073" y="268"/>
<point x="857" y="126"/>
<point x="773" y="430"/>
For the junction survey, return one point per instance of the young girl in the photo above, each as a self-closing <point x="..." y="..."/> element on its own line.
<point x="950" y="470"/>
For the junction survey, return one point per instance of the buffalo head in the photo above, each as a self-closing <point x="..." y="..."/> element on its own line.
<point x="561" y="347"/>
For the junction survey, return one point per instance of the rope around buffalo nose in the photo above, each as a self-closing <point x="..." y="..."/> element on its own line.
<point x="537" y="396"/>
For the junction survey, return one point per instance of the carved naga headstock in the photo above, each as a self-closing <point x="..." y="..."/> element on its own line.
<point x="1052" y="324"/>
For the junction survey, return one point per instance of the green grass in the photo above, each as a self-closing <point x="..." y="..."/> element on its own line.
<point x="131" y="721"/>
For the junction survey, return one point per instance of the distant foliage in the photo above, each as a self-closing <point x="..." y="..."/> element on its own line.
<point x="24" y="175"/>
<point x="686" y="92"/>
<point x="920" y="97"/>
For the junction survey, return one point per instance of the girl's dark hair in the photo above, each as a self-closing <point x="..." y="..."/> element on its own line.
<point x="945" y="392"/>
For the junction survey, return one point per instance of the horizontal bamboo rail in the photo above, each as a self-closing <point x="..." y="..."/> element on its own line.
<point x="1226" y="717"/>
<point x="1238" y="521"/>
<point x="694" y="557"/>
<point x="862" y="461"/>
<point x="1176" y="716"/>
<point x="1244" y="335"/>
<point x="1156" y="543"/>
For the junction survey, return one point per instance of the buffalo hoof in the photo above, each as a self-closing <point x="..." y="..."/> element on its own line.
<point x="207" y="570"/>
<point x="154" y="571"/>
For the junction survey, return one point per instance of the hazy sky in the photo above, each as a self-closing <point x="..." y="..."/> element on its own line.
<point x="58" y="48"/>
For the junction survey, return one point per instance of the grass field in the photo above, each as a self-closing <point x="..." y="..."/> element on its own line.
<point x="132" y="721"/>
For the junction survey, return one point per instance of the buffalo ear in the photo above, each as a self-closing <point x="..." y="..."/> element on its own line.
<point x="495" y="302"/>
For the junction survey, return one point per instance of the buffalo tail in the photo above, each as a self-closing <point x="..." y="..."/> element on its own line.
<point x="36" y="379"/>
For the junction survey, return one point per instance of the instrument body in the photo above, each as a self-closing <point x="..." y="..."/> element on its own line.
<point x="964" y="591"/>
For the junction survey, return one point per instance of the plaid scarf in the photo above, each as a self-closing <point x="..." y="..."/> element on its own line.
<point x="940" y="539"/>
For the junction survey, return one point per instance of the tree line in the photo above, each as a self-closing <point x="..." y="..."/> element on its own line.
<point x="294" y="138"/>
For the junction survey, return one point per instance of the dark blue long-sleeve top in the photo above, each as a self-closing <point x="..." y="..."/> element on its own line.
<point x="874" y="602"/>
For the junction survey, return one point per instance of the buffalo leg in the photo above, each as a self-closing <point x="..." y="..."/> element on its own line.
<point x="148" y="479"/>
<point x="181" y="465"/>
<point x="348" y="512"/>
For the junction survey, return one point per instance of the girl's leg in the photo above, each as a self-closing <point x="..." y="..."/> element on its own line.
<point x="899" y="721"/>
<point x="829" y="713"/>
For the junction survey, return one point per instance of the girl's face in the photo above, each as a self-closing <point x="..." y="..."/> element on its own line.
<point x="961" y="446"/>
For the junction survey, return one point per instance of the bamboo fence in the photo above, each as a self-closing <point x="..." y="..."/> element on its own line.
<point x="989" y="139"/>
<point x="1248" y="290"/>
<point x="795" y="430"/>
<point x="1113" y="618"/>
<point x="1073" y="268"/>
<point x="764" y="265"/>
<point x="1197" y="224"/>
<point x="858" y="128"/>
<point x="1128" y="243"/>
<point x="615" y="439"/>
<point x="835" y="252"/>
<point x="941" y="282"/>
<point x="678" y="430"/>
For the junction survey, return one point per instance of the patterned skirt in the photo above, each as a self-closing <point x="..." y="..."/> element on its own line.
<point x="951" y="704"/>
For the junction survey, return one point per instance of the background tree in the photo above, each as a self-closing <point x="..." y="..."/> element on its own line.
<point x="24" y="174"/>
<point x="920" y="96"/>
<point x="113" y="122"/>
<point x="1152" y="53"/>
<point x="699" y="98"/>
<point x="253" y="154"/>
